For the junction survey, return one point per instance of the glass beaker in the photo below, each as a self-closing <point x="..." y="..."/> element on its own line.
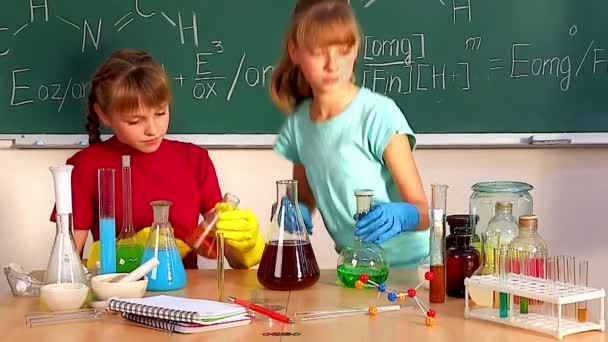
<point x="170" y="273"/>
<point x="362" y="257"/>
<point x="504" y="222"/>
<point x="202" y="239"/>
<point x="128" y="251"/>
<point x="288" y="261"/>
<point x="462" y="261"/>
<point x="489" y="243"/>
<point x="107" y="221"/>
<point x="64" y="265"/>
<point x="437" y="242"/>
<point x="482" y="203"/>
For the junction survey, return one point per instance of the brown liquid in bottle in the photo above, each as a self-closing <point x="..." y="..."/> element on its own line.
<point x="299" y="268"/>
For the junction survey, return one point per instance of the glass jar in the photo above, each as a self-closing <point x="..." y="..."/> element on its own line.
<point x="462" y="261"/>
<point x="482" y="203"/>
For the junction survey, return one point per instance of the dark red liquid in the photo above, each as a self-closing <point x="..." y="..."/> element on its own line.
<point x="298" y="266"/>
<point x="462" y="262"/>
<point x="437" y="285"/>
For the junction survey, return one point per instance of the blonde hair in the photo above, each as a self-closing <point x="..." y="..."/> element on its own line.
<point x="314" y="23"/>
<point x="125" y="82"/>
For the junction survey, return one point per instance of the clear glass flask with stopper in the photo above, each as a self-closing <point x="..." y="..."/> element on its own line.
<point x="362" y="257"/>
<point x="437" y="242"/>
<point x="288" y="261"/>
<point x="128" y="251"/>
<point x="504" y="222"/>
<point x="170" y="273"/>
<point x="65" y="278"/>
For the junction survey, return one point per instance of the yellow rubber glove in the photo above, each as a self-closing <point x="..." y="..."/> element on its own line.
<point x="142" y="238"/>
<point x="242" y="235"/>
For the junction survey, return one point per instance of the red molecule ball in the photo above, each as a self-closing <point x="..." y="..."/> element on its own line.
<point x="429" y="275"/>
<point x="364" y="277"/>
<point x="431" y="313"/>
<point x="411" y="293"/>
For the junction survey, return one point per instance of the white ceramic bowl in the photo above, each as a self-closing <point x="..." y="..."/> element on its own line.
<point x="63" y="297"/>
<point x="103" y="288"/>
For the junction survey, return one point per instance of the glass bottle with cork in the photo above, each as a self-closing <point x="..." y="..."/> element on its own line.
<point x="462" y="261"/>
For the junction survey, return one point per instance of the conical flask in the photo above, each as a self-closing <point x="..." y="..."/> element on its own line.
<point x="128" y="251"/>
<point x="288" y="261"/>
<point x="368" y="258"/>
<point x="202" y="239"/>
<point x="64" y="264"/>
<point x="170" y="273"/>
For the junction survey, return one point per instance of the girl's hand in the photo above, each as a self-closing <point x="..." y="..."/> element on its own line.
<point x="386" y="220"/>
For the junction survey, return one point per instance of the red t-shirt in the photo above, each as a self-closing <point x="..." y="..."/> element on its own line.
<point x="179" y="172"/>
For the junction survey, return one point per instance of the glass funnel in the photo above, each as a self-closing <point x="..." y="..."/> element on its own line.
<point x="362" y="257"/>
<point x="128" y="251"/>
<point x="288" y="261"/>
<point x="170" y="273"/>
<point x="485" y="196"/>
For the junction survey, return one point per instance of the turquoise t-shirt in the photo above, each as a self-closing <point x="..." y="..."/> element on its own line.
<point x="344" y="154"/>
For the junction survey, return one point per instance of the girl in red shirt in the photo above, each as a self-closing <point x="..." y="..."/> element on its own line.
<point x="130" y="94"/>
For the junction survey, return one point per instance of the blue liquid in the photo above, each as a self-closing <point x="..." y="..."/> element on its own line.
<point x="170" y="274"/>
<point x="107" y="242"/>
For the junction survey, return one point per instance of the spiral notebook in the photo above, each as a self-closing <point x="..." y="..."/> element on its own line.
<point x="178" y="309"/>
<point x="181" y="327"/>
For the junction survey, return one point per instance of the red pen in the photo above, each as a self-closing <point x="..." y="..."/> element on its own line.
<point x="272" y="314"/>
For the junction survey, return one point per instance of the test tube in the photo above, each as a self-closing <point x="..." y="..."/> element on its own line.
<point x="571" y="280"/>
<point x="38" y="318"/>
<point x="437" y="242"/>
<point x="107" y="220"/>
<point x="503" y="269"/>
<point x="220" y="265"/>
<point x="524" y="271"/>
<point x="582" y="281"/>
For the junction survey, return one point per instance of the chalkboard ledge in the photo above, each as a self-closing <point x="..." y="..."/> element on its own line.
<point x="264" y="141"/>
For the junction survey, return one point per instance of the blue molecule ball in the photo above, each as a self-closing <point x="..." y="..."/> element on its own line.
<point x="392" y="296"/>
<point x="381" y="287"/>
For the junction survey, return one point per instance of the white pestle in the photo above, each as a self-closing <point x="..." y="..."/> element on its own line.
<point x="141" y="271"/>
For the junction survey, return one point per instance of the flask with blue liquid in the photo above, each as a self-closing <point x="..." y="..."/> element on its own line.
<point x="170" y="273"/>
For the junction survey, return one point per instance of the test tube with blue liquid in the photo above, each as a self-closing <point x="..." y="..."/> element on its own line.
<point x="107" y="220"/>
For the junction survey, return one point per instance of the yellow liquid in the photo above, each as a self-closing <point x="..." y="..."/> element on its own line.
<point x="482" y="297"/>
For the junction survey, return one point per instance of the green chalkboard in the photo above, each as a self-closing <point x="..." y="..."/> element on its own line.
<point x="453" y="66"/>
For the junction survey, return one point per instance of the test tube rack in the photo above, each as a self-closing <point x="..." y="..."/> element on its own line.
<point x="541" y="289"/>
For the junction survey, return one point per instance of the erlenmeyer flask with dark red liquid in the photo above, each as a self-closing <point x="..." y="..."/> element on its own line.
<point x="288" y="261"/>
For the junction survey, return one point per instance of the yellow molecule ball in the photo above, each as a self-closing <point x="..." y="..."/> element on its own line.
<point x="373" y="310"/>
<point x="401" y="296"/>
<point x="430" y="321"/>
<point x="359" y="284"/>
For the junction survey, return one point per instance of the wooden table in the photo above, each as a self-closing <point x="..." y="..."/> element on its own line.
<point x="404" y="325"/>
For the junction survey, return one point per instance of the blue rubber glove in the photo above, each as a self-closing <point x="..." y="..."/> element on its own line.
<point x="291" y="223"/>
<point x="386" y="220"/>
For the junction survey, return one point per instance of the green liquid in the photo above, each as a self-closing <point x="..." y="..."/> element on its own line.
<point x="504" y="305"/>
<point x="523" y="305"/>
<point x="128" y="257"/>
<point x="350" y="274"/>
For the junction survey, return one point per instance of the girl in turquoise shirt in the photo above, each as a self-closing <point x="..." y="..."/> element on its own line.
<point x="341" y="137"/>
